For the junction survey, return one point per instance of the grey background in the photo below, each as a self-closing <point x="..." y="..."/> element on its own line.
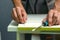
<point x="5" y="18"/>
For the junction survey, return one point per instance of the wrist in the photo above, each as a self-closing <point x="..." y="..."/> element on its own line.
<point x="57" y="5"/>
<point x="20" y="5"/>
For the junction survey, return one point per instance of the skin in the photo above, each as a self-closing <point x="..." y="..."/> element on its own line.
<point x="19" y="14"/>
<point x="54" y="14"/>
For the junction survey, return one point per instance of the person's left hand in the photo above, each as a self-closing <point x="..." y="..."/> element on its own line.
<point x="53" y="17"/>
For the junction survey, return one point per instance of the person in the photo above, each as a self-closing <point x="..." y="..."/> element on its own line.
<point x="19" y="14"/>
<point x="37" y="6"/>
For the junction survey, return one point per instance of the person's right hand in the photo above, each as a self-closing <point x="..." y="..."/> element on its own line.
<point x="53" y="17"/>
<point x="19" y="15"/>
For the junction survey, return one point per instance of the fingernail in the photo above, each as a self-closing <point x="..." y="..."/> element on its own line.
<point x="23" y="21"/>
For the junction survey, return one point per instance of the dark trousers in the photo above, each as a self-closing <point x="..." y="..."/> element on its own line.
<point x="42" y="36"/>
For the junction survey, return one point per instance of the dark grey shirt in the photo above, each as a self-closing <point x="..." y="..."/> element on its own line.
<point x="40" y="6"/>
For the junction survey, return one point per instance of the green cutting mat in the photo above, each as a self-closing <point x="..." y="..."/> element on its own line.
<point x="43" y="29"/>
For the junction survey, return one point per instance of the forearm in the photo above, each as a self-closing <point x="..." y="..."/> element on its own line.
<point x="57" y="5"/>
<point x="17" y="3"/>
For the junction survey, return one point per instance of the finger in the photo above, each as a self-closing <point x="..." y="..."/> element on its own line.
<point x="50" y="15"/>
<point x="57" y="23"/>
<point x="24" y="16"/>
<point x="58" y="19"/>
<point x="45" y="19"/>
<point x="14" y="15"/>
<point x="19" y="14"/>
<point x="55" y="19"/>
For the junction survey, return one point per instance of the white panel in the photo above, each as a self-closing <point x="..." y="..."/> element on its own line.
<point x="35" y="37"/>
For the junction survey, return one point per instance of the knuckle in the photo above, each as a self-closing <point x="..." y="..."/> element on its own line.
<point x="51" y="10"/>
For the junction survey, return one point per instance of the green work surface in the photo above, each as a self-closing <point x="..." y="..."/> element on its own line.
<point x="43" y="29"/>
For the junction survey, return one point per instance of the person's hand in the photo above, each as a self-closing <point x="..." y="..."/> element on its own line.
<point x="19" y="15"/>
<point x="53" y="17"/>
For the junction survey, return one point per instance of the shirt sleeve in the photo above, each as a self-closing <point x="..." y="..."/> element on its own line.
<point x="50" y="3"/>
